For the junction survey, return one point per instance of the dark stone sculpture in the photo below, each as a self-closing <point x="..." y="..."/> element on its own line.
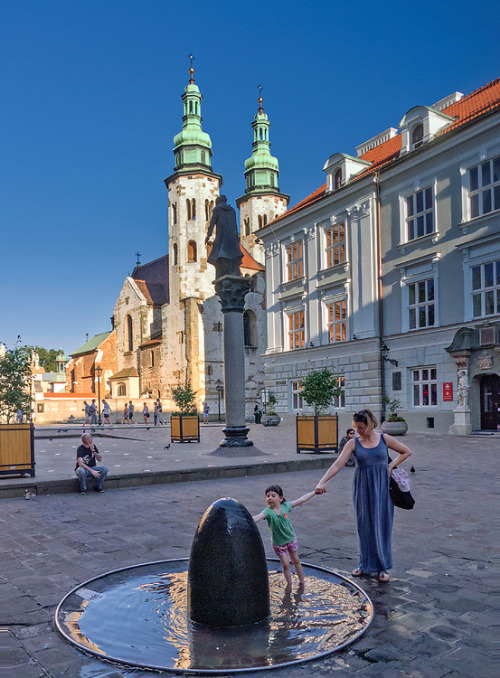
<point x="228" y="581"/>
<point x="226" y="254"/>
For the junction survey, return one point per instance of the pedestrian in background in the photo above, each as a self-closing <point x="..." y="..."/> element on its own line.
<point x="157" y="412"/>
<point x="145" y="413"/>
<point x="106" y="411"/>
<point x="131" y="409"/>
<point x="349" y="435"/>
<point x="206" y="412"/>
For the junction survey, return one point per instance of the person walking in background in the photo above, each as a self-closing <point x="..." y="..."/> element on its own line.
<point x="372" y="502"/>
<point x="106" y="411"/>
<point x="257" y="414"/>
<point x="86" y="409"/>
<point x="206" y="412"/>
<point x="349" y="435"/>
<point x="87" y="456"/>
<point x="282" y="533"/>
<point x="131" y="409"/>
<point x="93" y="413"/>
<point x="125" y="414"/>
<point x="157" y="412"/>
<point x="145" y="413"/>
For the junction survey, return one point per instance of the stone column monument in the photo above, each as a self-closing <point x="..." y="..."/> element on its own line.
<point x="231" y="288"/>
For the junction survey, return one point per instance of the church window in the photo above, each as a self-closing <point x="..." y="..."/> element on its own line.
<point x="174" y="213"/>
<point x="190" y="106"/>
<point x="250" y="328"/>
<point x="262" y="220"/>
<point x="191" y="251"/>
<point x="130" y="336"/>
<point x="246" y="222"/>
<point x="417" y="136"/>
<point x="260" y="133"/>
<point x="272" y="179"/>
<point x="193" y="208"/>
<point x="338" y="178"/>
<point x="175" y="254"/>
<point x="204" y="157"/>
<point x="151" y="359"/>
<point x="122" y="390"/>
<point x="188" y="207"/>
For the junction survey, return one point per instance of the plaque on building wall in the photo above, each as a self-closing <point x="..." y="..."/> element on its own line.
<point x="485" y="361"/>
<point x="447" y="390"/>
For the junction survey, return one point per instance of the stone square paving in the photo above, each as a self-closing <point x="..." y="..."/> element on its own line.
<point x="433" y="619"/>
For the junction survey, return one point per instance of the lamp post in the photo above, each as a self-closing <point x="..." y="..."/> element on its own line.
<point x="220" y="387"/>
<point x="265" y="397"/>
<point x="384" y="352"/>
<point x="98" y="371"/>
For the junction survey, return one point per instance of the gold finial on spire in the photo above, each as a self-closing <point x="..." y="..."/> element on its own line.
<point x="260" y="100"/>
<point x="191" y="69"/>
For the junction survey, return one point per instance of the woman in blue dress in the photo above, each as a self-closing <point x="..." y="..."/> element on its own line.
<point x="372" y="503"/>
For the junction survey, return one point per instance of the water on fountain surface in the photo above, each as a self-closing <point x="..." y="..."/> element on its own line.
<point x="138" y="616"/>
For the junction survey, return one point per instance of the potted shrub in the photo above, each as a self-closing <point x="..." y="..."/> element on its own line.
<point x="270" y="418"/>
<point x="185" y="424"/>
<point x="319" y="432"/>
<point x="394" y="424"/>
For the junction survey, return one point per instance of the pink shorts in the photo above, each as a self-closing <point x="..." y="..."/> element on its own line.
<point x="291" y="547"/>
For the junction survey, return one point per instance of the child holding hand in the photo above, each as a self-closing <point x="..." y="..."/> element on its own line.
<point x="282" y="532"/>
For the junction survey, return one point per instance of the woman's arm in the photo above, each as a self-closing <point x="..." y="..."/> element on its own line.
<point x="403" y="451"/>
<point x="303" y="499"/>
<point x="337" y="466"/>
<point x="260" y="517"/>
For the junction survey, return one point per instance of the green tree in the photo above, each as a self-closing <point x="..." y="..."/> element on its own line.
<point x="320" y="387"/>
<point x="47" y="357"/>
<point x="15" y="374"/>
<point x="184" y="397"/>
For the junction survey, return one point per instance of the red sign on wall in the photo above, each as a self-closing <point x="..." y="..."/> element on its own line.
<point x="447" y="390"/>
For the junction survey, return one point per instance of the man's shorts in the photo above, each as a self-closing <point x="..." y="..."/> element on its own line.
<point x="131" y="415"/>
<point x="291" y="547"/>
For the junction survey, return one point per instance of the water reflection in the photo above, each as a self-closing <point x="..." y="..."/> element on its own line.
<point x="141" y="620"/>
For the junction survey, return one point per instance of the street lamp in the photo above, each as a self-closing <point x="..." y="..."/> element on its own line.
<point x="220" y="387"/>
<point x="265" y="397"/>
<point x="384" y="352"/>
<point x="98" y="371"/>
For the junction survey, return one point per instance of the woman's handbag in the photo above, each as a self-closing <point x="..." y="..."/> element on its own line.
<point x="399" y="489"/>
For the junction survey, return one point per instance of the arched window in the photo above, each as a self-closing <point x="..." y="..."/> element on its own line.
<point x="193" y="208"/>
<point x="207" y="210"/>
<point x="190" y="106"/>
<point x="261" y="136"/>
<point x="174" y="213"/>
<point x="151" y="358"/>
<point x="272" y="179"/>
<point x="122" y="390"/>
<point x="250" y="328"/>
<point x="191" y="251"/>
<point x="338" y="178"/>
<point x="417" y="136"/>
<point x="175" y="254"/>
<point x="246" y="222"/>
<point x="130" y="336"/>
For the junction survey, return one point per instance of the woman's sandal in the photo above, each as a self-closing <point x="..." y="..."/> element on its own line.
<point x="383" y="576"/>
<point x="358" y="572"/>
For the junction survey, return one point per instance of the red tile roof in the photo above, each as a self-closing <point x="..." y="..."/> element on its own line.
<point x="249" y="262"/>
<point x="474" y="105"/>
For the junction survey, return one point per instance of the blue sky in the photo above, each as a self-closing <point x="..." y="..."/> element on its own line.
<point x="91" y="101"/>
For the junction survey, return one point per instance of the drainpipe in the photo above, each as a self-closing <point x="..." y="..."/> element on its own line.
<point x="380" y="290"/>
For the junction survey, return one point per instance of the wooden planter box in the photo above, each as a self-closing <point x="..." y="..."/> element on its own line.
<point x="317" y="434"/>
<point x="17" y="449"/>
<point x="185" y="428"/>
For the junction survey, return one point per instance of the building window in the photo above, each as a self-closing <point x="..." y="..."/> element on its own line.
<point x="337" y="182"/>
<point x="175" y="254"/>
<point x="421" y="304"/>
<point x="424" y="387"/>
<point x="151" y="359"/>
<point x="174" y="213"/>
<point x="130" y="335"/>
<point x="486" y="289"/>
<point x="262" y="220"/>
<point x="335" y="245"/>
<point x="191" y="251"/>
<point x="249" y="328"/>
<point x="396" y="381"/>
<point x="484" y="183"/>
<point x="337" y="321"/>
<point x="339" y="401"/>
<point x="297" y="402"/>
<point x="296" y="338"/>
<point x="122" y="390"/>
<point x="419" y="214"/>
<point x="204" y="157"/>
<point x="417" y="136"/>
<point x="246" y="222"/>
<point x="191" y="208"/>
<point x="294" y="261"/>
<point x="272" y="179"/>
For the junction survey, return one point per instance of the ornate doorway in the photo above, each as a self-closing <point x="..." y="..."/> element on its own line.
<point x="490" y="402"/>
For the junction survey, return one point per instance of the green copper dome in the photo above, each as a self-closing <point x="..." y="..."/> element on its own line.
<point x="192" y="146"/>
<point x="262" y="168"/>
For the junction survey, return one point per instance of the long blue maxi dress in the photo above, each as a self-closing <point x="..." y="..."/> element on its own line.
<point x="373" y="506"/>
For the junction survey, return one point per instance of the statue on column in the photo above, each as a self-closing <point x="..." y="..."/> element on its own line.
<point x="463" y="388"/>
<point x="226" y="254"/>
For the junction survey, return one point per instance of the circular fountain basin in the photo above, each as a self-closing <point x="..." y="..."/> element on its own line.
<point x="137" y="616"/>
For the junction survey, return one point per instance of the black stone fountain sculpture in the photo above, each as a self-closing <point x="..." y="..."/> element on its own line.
<point x="228" y="581"/>
<point x="230" y="612"/>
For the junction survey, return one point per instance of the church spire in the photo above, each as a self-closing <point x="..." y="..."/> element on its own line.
<point x="261" y="169"/>
<point x="192" y="146"/>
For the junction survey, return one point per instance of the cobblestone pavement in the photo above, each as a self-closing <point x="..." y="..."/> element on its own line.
<point x="433" y="619"/>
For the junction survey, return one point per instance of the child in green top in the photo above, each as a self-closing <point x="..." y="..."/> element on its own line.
<point x="282" y="533"/>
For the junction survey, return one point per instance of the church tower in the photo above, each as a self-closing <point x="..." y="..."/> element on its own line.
<point x="192" y="191"/>
<point x="263" y="200"/>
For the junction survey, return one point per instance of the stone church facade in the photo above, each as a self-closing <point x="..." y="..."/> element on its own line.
<point x="167" y="319"/>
